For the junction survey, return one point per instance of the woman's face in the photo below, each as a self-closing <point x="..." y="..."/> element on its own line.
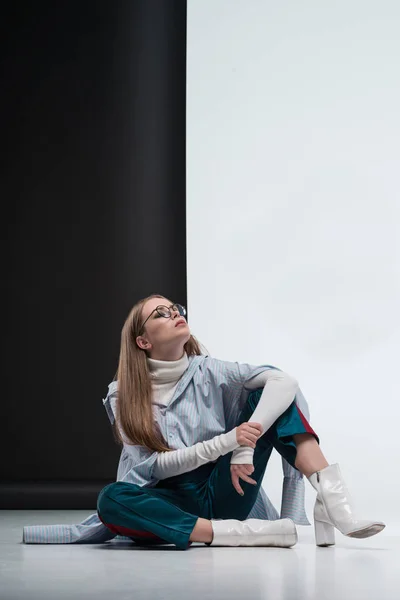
<point x="160" y="332"/>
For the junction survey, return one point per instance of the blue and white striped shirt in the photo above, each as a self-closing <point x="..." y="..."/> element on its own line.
<point x="207" y="402"/>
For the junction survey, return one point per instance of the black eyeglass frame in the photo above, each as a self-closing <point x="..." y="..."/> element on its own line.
<point x="178" y="308"/>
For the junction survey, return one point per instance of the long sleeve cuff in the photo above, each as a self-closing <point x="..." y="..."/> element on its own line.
<point x="242" y="456"/>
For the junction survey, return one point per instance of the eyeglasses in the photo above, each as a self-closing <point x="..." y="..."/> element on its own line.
<point x="165" y="311"/>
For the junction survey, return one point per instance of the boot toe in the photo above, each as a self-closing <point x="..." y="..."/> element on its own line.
<point x="289" y="530"/>
<point x="368" y="530"/>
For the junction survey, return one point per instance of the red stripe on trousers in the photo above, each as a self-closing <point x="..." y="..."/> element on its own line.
<point x="306" y="424"/>
<point x="119" y="530"/>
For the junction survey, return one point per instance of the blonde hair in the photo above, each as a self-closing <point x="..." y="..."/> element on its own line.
<point x="133" y="405"/>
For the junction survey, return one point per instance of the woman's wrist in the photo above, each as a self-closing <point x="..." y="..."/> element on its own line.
<point x="242" y="456"/>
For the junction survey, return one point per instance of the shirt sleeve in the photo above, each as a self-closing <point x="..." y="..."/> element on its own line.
<point x="232" y="379"/>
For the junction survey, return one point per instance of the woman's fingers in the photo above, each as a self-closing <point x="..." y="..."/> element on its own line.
<point x="247" y="478"/>
<point x="236" y="484"/>
<point x="257" y="427"/>
<point x="251" y="438"/>
<point x="239" y="471"/>
<point x="251" y="431"/>
<point x="247" y="434"/>
<point x="247" y="442"/>
<point x="248" y="469"/>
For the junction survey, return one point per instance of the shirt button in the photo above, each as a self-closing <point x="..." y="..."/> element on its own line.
<point x="170" y="435"/>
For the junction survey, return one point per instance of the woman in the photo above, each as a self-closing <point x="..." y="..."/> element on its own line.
<point x="197" y="434"/>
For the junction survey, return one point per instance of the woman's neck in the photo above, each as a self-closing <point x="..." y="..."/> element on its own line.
<point x="168" y="354"/>
<point x="164" y="371"/>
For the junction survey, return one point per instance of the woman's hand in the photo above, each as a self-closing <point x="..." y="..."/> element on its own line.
<point x="247" y="434"/>
<point x="242" y="472"/>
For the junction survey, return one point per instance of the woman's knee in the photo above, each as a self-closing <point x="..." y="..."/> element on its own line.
<point x="110" y="492"/>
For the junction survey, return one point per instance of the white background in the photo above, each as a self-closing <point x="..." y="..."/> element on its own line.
<point x="293" y="134"/>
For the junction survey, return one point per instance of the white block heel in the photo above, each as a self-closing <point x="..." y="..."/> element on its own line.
<point x="324" y="533"/>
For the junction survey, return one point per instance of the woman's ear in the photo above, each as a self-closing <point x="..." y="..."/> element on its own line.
<point x="143" y="343"/>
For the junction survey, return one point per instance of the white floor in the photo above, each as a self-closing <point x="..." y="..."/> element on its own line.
<point x="354" y="569"/>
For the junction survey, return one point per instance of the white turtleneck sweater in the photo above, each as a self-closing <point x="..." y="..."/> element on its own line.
<point x="165" y="376"/>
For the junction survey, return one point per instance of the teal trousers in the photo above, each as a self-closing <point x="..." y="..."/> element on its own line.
<point x="168" y="512"/>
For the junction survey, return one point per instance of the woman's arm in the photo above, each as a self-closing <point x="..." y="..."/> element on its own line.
<point x="183" y="460"/>
<point x="278" y="393"/>
<point x="145" y="468"/>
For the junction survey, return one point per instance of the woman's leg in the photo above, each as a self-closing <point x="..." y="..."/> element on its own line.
<point x="147" y="515"/>
<point x="291" y="432"/>
<point x="202" y="531"/>
<point x="226" y="502"/>
<point x="309" y="457"/>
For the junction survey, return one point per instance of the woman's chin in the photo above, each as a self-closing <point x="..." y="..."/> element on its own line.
<point x="185" y="333"/>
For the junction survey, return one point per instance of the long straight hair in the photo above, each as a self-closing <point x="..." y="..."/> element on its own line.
<point x="133" y="406"/>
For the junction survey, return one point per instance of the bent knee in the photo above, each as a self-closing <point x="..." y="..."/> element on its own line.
<point x="111" y="492"/>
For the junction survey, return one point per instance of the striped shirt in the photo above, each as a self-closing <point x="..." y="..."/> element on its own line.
<point x="207" y="401"/>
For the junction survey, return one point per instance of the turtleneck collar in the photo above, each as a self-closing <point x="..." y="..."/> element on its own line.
<point x="167" y="371"/>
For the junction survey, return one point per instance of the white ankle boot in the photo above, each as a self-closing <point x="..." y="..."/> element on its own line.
<point x="333" y="508"/>
<point x="254" y="532"/>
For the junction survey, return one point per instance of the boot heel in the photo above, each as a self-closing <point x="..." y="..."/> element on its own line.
<point x="324" y="533"/>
